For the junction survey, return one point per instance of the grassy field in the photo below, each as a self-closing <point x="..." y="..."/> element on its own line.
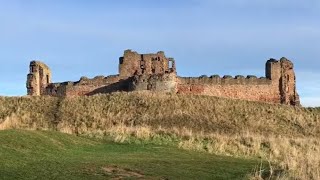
<point x="286" y="136"/>
<point x="53" y="155"/>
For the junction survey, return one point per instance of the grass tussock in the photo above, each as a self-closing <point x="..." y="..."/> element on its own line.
<point x="289" y="158"/>
<point x="286" y="136"/>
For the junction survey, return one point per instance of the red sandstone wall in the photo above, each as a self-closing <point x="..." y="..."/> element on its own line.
<point x="87" y="86"/>
<point x="263" y="93"/>
<point x="253" y="90"/>
<point x="81" y="90"/>
<point x="157" y="82"/>
<point x="288" y="83"/>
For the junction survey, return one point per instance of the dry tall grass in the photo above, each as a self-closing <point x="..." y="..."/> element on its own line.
<point x="287" y="136"/>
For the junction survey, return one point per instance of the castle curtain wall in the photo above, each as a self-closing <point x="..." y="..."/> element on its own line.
<point x="155" y="72"/>
<point x="279" y="86"/>
<point x="252" y="89"/>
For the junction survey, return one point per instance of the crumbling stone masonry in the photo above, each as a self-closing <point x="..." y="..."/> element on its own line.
<point x="38" y="79"/>
<point x="156" y="72"/>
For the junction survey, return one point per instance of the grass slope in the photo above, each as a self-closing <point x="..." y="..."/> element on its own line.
<point x="286" y="136"/>
<point x="197" y="113"/>
<point x="52" y="155"/>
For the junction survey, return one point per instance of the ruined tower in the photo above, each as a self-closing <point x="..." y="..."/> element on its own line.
<point x="132" y="64"/>
<point x="153" y="72"/>
<point x="283" y="76"/>
<point x="38" y="78"/>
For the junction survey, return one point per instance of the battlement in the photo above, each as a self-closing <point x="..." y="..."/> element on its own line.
<point x="85" y="86"/>
<point x="156" y="72"/>
<point x="226" y="80"/>
<point x="279" y="85"/>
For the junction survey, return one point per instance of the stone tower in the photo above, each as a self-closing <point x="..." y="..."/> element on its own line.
<point x="132" y="64"/>
<point x="38" y="78"/>
<point x="283" y="77"/>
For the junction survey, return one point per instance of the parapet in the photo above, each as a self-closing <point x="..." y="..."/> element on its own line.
<point x="225" y="80"/>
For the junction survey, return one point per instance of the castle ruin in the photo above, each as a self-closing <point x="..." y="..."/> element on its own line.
<point x="156" y="72"/>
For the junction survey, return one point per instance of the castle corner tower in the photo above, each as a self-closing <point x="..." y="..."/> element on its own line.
<point x="38" y="78"/>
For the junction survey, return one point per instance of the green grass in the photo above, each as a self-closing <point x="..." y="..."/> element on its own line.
<point x="52" y="155"/>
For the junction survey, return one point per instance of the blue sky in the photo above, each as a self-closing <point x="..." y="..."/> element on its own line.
<point x="82" y="37"/>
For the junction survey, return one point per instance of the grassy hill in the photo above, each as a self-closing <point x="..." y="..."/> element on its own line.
<point x="52" y="155"/>
<point x="197" y="113"/>
<point x="286" y="136"/>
